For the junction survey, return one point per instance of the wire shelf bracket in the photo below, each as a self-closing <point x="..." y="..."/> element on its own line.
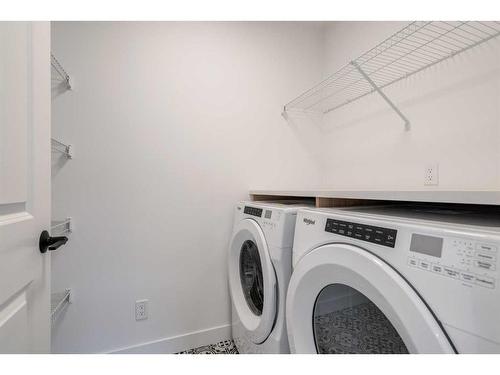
<point x="60" y="71"/>
<point x="66" y="150"/>
<point x="58" y="302"/>
<point x="382" y="94"/>
<point x="416" y="47"/>
<point x="62" y="227"/>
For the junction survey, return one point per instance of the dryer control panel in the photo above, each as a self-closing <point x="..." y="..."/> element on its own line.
<point x="369" y="233"/>
<point x="467" y="261"/>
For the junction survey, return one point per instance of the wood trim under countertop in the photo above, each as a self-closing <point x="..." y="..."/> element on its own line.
<point x="332" y="198"/>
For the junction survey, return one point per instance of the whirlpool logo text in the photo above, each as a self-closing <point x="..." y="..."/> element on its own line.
<point x="309" y="221"/>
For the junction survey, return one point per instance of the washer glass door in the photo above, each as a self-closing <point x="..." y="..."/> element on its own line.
<point x="345" y="321"/>
<point x="252" y="281"/>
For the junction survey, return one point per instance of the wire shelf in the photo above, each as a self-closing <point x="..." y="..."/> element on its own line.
<point x="58" y="302"/>
<point x="416" y="47"/>
<point x="60" y="71"/>
<point x="61" y="227"/>
<point x="66" y="150"/>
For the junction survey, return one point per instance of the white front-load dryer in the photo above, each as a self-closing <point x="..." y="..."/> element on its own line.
<point x="394" y="280"/>
<point x="260" y="264"/>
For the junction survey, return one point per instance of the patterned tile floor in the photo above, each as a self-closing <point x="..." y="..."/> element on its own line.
<point x="223" y="347"/>
<point x="359" y="329"/>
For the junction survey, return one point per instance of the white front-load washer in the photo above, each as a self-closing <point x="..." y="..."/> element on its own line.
<point x="260" y="265"/>
<point x="394" y="280"/>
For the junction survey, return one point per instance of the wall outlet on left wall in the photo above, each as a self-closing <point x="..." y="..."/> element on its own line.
<point x="141" y="309"/>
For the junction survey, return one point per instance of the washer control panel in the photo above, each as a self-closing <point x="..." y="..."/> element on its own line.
<point x="470" y="262"/>
<point x="254" y="211"/>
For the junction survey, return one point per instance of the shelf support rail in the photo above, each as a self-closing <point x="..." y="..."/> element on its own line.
<point x="58" y="302"/>
<point x="62" y="227"/>
<point x="382" y="94"/>
<point x="65" y="149"/>
<point x="60" y="70"/>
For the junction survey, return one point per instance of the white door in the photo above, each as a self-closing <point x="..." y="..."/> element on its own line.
<point x="343" y="299"/>
<point x="24" y="186"/>
<point x="252" y="281"/>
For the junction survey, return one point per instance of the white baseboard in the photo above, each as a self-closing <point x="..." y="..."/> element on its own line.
<point x="179" y="343"/>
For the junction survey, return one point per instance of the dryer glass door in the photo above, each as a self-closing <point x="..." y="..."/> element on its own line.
<point x="343" y="299"/>
<point x="345" y="321"/>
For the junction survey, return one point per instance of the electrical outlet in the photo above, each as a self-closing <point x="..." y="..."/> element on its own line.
<point x="431" y="174"/>
<point x="141" y="309"/>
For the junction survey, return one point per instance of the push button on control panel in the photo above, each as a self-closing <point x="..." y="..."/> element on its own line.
<point x="487" y="282"/>
<point x="486" y="247"/>
<point x="451" y="272"/>
<point x="484" y="265"/>
<point x="424" y="265"/>
<point x="436" y="268"/>
<point x="412" y="262"/>
<point x="467" y="277"/>
<point x="485" y="256"/>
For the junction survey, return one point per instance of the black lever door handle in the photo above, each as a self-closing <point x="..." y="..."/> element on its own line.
<point x="50" y="243"/>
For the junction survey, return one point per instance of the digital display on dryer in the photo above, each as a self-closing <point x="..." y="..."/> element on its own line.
<point x="254" y="211"/>
<point x="427" y="245"/>
<point x="368" y="233"/>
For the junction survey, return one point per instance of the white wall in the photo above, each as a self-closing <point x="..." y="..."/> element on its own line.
<point x="454" y="112"/>
<point x="172" y="124"/>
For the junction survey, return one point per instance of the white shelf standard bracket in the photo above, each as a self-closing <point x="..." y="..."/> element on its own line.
<point x="58" y="302"/>
<point x="382" y="94"/>
<point x="60" y="70"/>
<point x="62" y="227"/>
<point x="66" y="150"/>
<point x="284" y="113"/>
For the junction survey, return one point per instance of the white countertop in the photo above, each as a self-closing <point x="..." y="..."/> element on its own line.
<point x="490" y="197"/>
